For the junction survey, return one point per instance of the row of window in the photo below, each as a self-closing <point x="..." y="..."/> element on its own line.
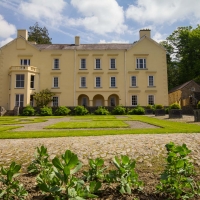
<point x="19" y="100"/>
<point x="140" y="63"/>
<point x="20" y="79"/>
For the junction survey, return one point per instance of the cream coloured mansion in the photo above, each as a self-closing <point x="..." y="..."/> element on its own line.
<point x="84" y="74"/>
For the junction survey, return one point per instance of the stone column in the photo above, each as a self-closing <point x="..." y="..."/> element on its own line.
<point x="105" y="102"/>
<point x="90" y="102"/>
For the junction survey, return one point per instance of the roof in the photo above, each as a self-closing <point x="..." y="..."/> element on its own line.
<point x="180" y="86"/>
<point x="110" y="46"/>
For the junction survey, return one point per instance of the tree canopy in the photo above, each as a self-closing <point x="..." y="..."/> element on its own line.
<point x="183" y="55"/>
<point x="38" y="34"/>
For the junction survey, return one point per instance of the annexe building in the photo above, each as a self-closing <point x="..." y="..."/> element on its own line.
<point x="84" y="74"/>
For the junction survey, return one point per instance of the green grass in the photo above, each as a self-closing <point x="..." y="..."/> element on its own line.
<point x="92" y="117"/>
<point x="167" y="127"/>
<point x="90" y="124"/>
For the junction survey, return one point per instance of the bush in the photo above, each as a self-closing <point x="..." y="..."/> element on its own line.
<point x="166" y="110"/>
<point x="198" y="105"/>
<point x="158" y="106"/>
<point x="45" y="111"/>
<point x="175" y="106"/>
<point x="28" y="111"/>
<point x="101" y="111"/>
<point x="137" y="111"/>
<point x="119" y="110"/>
<point x="62" y="111"/>
<point x="80" y="110"/>
<point x="149" y="107"/>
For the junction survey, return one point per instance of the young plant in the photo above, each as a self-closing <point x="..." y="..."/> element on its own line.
<point x="177" y="179"/>
<point x="40" y="162"/>
<point x="60" y="181"/>
<point x="125" y="175"/>
<point x="11" y="188"/>
<point x="96" y="170"/>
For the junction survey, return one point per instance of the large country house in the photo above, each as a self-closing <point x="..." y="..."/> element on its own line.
<point x="84" y="74"/>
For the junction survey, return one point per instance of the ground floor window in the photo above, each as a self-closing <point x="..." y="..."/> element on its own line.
<point x="151" y="100"/>
<point x="134" y="100"/>
<point x="55" y="101"/>
<point x="19" y="100"/>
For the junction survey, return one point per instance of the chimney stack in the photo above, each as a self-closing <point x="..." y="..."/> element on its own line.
<point x="145" y="32"/>
<point x="23" y="33"/>
<point x="77" y="40"/>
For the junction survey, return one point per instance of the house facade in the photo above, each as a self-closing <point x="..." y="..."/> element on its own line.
<point x="187" y="94"/>
<point x="84" y="74"/>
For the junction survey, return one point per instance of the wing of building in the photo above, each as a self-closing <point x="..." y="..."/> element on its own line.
<point x="84" y="74"/>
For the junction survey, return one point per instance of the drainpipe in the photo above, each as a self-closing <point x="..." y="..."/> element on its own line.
<point x="125" y="89"/>
<point x="75" y="77"/>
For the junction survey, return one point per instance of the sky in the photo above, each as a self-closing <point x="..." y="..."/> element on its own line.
<point x="97" y="21"/>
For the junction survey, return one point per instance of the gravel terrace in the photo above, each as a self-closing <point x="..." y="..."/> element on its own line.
<point x="142" y="147"/>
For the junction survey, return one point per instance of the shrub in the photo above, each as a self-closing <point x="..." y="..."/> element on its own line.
<point x="80" y="110"/>
<point x="62" y="111"/>
<point x="198" y="105"/>
<point x="158" y="106"/>
<point x="101" y="111"/>
<point x="137" y="111"/>
<point x="175" y="106"/>
<point x="166" y="110"/>
<point x="28" y="111"/>
<point x="149" y="107"/>
<point x="45" y="111"/>
<point x="119" y="110"/>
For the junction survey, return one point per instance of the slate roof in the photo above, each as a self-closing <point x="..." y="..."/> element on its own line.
<point x="180" y="86"/>
<point x="110" y="46"/>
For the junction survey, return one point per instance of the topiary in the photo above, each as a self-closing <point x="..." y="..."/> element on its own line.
<point x="80" y="110"/>
<point x="149" y="107"/>
<point x="28" y="111"/>
<point x="198" y="105"/>
<point x="101" y="111"/>
<point x="119" y="110"/>
<point x="62" y="111"/>
<point x="175" y="106"/>
<point x="159" y="106"/>
<point x="137" y="111"/>
<point x="45" y="111"/>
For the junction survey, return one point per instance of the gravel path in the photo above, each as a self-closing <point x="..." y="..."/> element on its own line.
<point x="142" y="147"/>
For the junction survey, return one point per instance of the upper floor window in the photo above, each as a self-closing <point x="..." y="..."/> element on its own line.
<point x="55" y="82"/>
<point x="98" y="82"/>
<point x="134" y="100"/>
<point x="97" y="63"/>
<point x="19" y="80"/>
<point x="141" y="63"/>
<point x="83" y="81"/>
<point x="25" y="62"/>
<point x="32" y="81"/>
<point x="83" y="63"/>
<point x="112" y="82"/>
<point x="56" y="64"/>
<point x="151" y="100"/>
<point x="55" y="101"/>
<point x="112" y="63"/>
<point x="151" y="81"/>
<point x="133" y="81"/>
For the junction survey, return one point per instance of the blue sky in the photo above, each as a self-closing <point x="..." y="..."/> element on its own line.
<point x="104" y="21"/>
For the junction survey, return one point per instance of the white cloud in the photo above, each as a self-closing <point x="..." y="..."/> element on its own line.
<point x="158" y="37"/>
<point x="99" y="16"/>
<point x="114" y="41"/>
<point x="3" y="42"/>
<point x="50" y="11"/>
<point x="6" y="29"/>
<point x="159" y="12"/>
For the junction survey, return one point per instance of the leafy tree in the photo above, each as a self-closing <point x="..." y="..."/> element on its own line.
<point x="38" y="34"/>
<point x="43" y="98"/>
<point x="183" y="55"/>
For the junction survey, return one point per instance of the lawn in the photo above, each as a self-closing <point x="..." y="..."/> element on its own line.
<point x="89" y="124"/>
<point x="166" y="127"/>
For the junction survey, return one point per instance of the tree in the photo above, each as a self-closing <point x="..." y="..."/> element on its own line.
<point x="38" y="34"/>
<point x="183" y="55"/>
<point x="43" y="98"/>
